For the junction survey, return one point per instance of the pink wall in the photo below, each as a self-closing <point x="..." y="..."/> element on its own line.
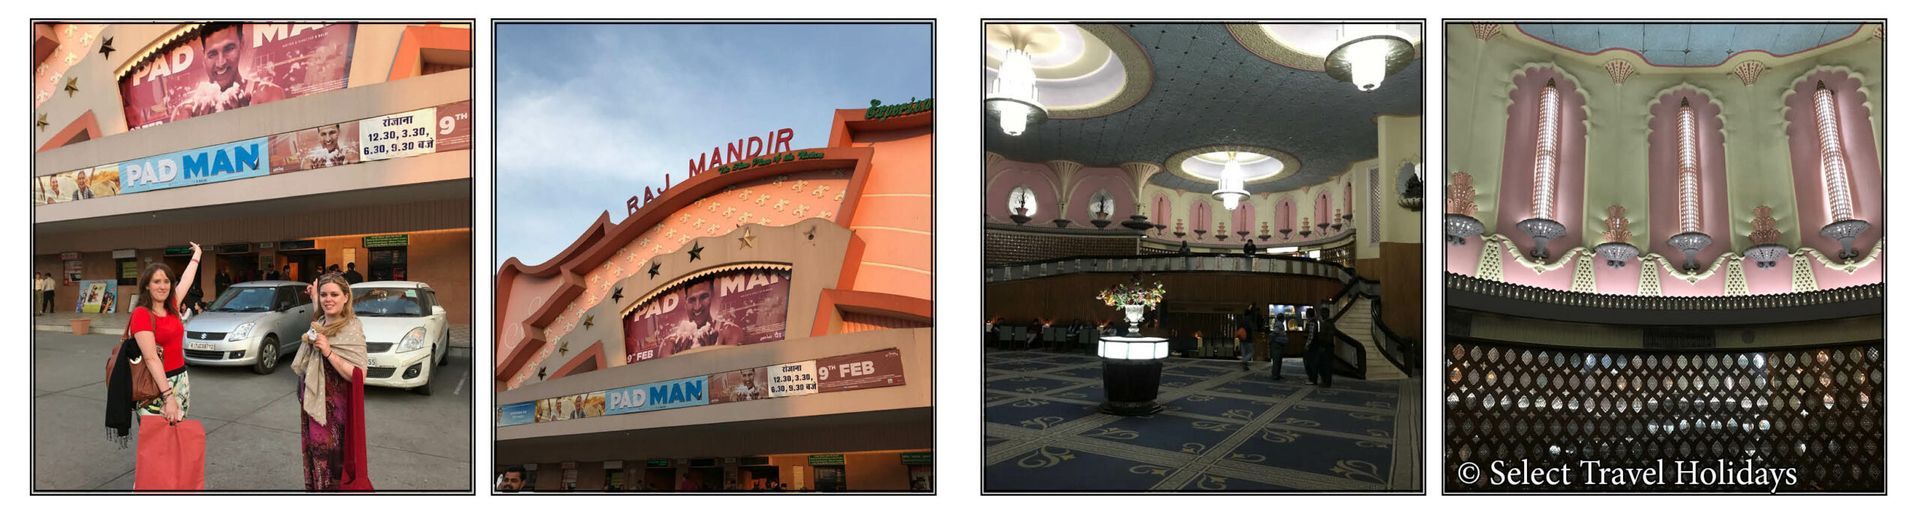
<point x="1774" y="280"/>
<point x="1518" y="273"/>
<point x="1199" y="217"/>
<point x="1034" y="176"/>
<point x="1243" y="221"/>
<point x="1863" y="160"/>
<point x="1092" y="180"/>
<point x="1623" y="280"/>
<point x="1285" y="215"/>
<point x="1711" y="285"/>
<point x="1835" y="279"/>
<point x="1162" y="214"/>
<point x="1664" y="176"/>
<point x="1516" y="167"/>
<point x="1465" y="259"/>
<point x="1349" y="208"/>
<point x="1322" y="212"/>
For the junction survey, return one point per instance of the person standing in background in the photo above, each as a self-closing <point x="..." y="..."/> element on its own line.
<point x="43" y="293"/>
<point x="353" y="275"/>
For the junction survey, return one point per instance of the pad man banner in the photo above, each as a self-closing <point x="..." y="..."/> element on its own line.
<point x="729" y="308"/>
<point x="228" y="66"/>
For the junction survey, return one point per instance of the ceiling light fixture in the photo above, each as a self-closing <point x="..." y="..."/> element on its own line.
<point x="1015" y="96"/>
<point x="1834" y="175"/>
<point x="1232" y="187"/>
<point x="1368" y="60"/>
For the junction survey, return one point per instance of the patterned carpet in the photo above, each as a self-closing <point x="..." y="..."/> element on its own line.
<point x="1223" y="429"/>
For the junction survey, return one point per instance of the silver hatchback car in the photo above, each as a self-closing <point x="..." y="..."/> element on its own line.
<point x="251" y="324"/>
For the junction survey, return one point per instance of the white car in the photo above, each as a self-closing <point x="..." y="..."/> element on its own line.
<point x="406" y="331"/>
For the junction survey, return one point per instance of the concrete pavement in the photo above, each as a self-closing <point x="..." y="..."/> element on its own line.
<point x="252" y="422"/>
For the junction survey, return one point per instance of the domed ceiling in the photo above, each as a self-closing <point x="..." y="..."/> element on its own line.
<point x="1690" y="44"/>
<point x="1206" y="86"/>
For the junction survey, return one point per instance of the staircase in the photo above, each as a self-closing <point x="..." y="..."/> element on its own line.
<point x="1357" y="322"/>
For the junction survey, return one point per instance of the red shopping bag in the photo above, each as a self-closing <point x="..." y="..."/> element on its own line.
<point x="172" y="457"/>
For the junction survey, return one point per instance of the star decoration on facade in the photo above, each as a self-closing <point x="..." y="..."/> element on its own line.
<point x="617" y="290"/>
<point x="694" y="254"/>
<point x="563" y="348"/>
<point x="41" y="123"/>
<point x="588" y="322"/>
<point x="106" y="48"/>
<point x="543" y="373"/>
<point x="746" y="238"/>
<point x="653" y="270"/>
<point x="73" y="86"/>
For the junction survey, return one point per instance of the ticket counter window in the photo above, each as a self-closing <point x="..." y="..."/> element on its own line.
<point x="706" y="478"/>
<point x="616" y="480"/>
<point x="759" y="478"/>
<point x="920" y="478"/>
<point x="657" y="479"/>
<point x="829" y="478"/>
<point x="387" y="264"/>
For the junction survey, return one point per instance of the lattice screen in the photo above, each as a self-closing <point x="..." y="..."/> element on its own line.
<point x="1818" y="410"/>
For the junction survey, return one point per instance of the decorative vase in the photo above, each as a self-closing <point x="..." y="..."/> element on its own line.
<point x="1135" y="313"/>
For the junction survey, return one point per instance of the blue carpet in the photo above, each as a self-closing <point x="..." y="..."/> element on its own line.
<point x="1027" y="384"/>
<point x="1040" y="470"/>
<point x="1222" y="422"/>
<point x="1037" y="414"/>
<point x="1275" y="445"/>
<point x="1092" y="372"/>
<point x="1211" y="482"/>
<point x="1220" y="406"/>
<point x="1166" y="432"/>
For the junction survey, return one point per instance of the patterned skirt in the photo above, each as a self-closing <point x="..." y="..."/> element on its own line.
<point x="180" y="389"/>
<point x="322" y="447"/>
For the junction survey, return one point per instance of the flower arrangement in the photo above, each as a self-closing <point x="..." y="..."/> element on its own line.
<point x="1121" y="295"/>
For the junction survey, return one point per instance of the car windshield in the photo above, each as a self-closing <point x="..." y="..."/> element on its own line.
<point x="388" y="302"/>
<point x="245" y="299"/>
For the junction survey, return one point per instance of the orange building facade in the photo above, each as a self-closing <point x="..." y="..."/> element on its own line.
<point x="765" y="321"/>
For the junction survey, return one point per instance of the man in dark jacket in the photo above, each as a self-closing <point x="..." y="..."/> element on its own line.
<point x="1276" y="348"/>
<point x="1320" y="348"/>
<point x="1250" y="329"/>
<point x="353" y="275"/>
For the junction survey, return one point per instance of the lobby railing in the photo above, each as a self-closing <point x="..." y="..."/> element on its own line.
<point x="1164" y="263"/>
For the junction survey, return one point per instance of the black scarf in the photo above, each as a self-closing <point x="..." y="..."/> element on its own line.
<point x="120" y="393"/>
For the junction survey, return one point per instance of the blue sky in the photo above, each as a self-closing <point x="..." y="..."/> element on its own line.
<point x="588" y="115"/>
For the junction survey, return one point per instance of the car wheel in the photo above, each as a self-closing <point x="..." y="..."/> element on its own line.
<point x="426" y="389"/>
<point x="269" y="355"/>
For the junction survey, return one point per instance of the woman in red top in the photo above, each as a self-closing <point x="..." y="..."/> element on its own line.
<point x="156" y="326"/>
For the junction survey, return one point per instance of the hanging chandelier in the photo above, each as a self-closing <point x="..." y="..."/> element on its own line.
<point x="1366" y="61"/>
<point x="1015" y="96"/>
<point x="1232" y="187"/>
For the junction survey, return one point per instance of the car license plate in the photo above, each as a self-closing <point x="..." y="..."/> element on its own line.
<point x="199" y="346"/>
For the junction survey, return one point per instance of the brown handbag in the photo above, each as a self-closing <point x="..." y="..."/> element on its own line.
<point x="144" y="388"/>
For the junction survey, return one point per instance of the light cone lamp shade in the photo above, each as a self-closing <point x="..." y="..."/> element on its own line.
<point x="1015" y="96"/>
<point x="1368" y="61"/>
<point x="1233" y="183"/>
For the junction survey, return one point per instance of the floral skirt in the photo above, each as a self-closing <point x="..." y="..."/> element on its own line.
<point x="322" y="447"/>
<point x="180" y="389"/>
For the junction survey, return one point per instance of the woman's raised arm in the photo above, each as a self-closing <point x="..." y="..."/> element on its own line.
<point x="187" y="276"/>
